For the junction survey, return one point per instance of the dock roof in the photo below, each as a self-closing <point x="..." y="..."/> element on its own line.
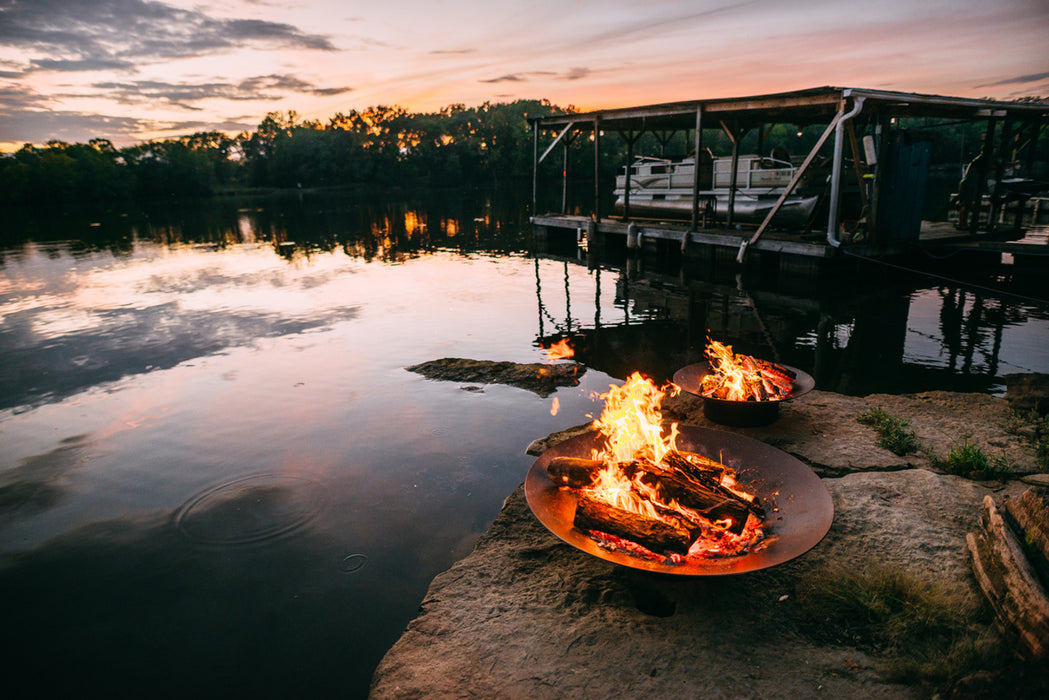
<point x="814" y="105"/>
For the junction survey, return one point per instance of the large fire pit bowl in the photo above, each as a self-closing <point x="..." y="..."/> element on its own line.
<point x="742" y="414"/>
<point x="798" y="507"/>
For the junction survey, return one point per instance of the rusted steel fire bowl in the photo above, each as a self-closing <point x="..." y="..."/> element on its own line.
<point x="798" y="507"/>
<point x="741" y="414"/>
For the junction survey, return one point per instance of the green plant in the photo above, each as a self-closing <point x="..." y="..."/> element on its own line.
<point x="920" y="630"/>
<point x="969" y="460"/>
<point x="894" y="433"/>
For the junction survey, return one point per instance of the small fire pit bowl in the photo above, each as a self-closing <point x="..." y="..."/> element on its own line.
<point x="799" y="510"/>
<point x="740" y="414"/>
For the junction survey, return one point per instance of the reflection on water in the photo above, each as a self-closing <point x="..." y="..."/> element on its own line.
<point x="217" y="478"/>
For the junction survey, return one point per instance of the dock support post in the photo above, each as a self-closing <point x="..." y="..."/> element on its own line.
<point x="564" y="179"/>
<point x="835" y="173"/>
<point x="734" y="172"/>
<point x="597" y="169"/>
<point x="535" y="164"/>
<point x="695" y="168"/>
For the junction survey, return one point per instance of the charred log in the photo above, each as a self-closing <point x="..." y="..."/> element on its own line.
<point x="709" y="502"/>
<point x="652" y="533"/>
<point x="708" y="474"/>
<point x="574" y="472"/>
<point x="695" y="485"/>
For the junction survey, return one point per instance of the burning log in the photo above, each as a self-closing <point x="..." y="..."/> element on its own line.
<point x="641" y="489"/>
<point x="736" y="377"/>
<point x="654" y="533"/>
<point x="696" y="487"/>
<point x="574" y="472"/>
<point x="719" y="506"/>
<point x="710" y="475"/>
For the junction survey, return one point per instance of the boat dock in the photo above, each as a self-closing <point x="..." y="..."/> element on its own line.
<point x="861" y="179"/>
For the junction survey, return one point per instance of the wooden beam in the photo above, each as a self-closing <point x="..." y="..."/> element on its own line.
<point x="790" y="187"/>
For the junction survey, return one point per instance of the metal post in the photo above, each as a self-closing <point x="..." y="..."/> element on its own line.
<point x="535" y="164"/>
<point x="835" y="173"/>
<point x="597" y="169"/>
<point x="564" y="180"/>
<point x="981" y="175"/>
<point x="734" y="172"/>
<point x="627" y="179"/>
<point x="696" y="175"/>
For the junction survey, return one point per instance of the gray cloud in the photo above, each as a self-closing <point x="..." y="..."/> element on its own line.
<point x="40" y="126"/>
<point x="1017" y="80"/>
<point x="263" y="87"/>
<point x="89" y="34"/>
<point x="572" y="74"/>
<point x="576" y="74"/>
<point x="78" y="65"/>
<point x="509" y="78"/>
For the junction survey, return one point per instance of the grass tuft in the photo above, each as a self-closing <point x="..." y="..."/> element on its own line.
<point x="921" y="631"/>
<point x="970" y="461"/>
<point x="894" y="433"/>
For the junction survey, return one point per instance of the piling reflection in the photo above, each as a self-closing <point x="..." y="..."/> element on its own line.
<point x="855" y="338"/>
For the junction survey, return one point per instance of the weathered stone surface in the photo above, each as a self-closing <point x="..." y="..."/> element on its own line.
<point x="542" y="379"/>
<point x="527" y="616"/>
<point x="821" y="429"/>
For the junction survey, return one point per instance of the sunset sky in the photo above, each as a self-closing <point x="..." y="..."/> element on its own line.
<point x="133" y="70"/>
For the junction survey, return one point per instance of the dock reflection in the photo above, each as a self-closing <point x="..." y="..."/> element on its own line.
<point x="892" y="336"/>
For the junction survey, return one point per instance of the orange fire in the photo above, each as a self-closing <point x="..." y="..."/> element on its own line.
<point x="634" y="436"/>
<point x="735" y="377"/>
<point x="560" y="350"/>
<point x="632" y="422"/>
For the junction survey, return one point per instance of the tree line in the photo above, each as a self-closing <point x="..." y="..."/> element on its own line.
<point x="380" y="145"/>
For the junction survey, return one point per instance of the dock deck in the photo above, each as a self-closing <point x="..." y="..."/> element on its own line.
<point x="869" y="169"/>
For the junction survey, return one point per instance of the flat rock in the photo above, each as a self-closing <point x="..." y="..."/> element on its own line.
<point x="542" y="379"/>
<point x="821" y="429"/>
<point x="527" y="616"/>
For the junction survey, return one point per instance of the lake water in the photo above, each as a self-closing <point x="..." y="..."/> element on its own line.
<point x="217" y="478"/>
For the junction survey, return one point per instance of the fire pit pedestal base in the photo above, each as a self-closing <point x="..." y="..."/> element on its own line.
<point x="742" y="414"/>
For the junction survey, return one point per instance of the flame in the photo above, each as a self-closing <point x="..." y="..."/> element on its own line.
<point x="736" y="377"/>
<point x="632" y="422"/>
<point x="631" y="425"/>
<point x="554" y="407"/>
<point x="560" y="350"/>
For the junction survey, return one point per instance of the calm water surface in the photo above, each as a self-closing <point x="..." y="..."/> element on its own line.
<point x="217" y="478"/>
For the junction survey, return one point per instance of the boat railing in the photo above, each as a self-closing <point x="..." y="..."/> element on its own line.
<point x="654" y="174"/>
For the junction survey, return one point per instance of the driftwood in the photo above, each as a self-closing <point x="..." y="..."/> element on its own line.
<point x="1031" y="516"/>
<point x="1010" y="583"/>
<point x="653" y="533"/>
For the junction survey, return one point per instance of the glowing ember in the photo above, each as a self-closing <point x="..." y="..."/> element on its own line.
<point x="638" y="493"/>
<point x="735" y="377"/>
<point x="560" y="350"/>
